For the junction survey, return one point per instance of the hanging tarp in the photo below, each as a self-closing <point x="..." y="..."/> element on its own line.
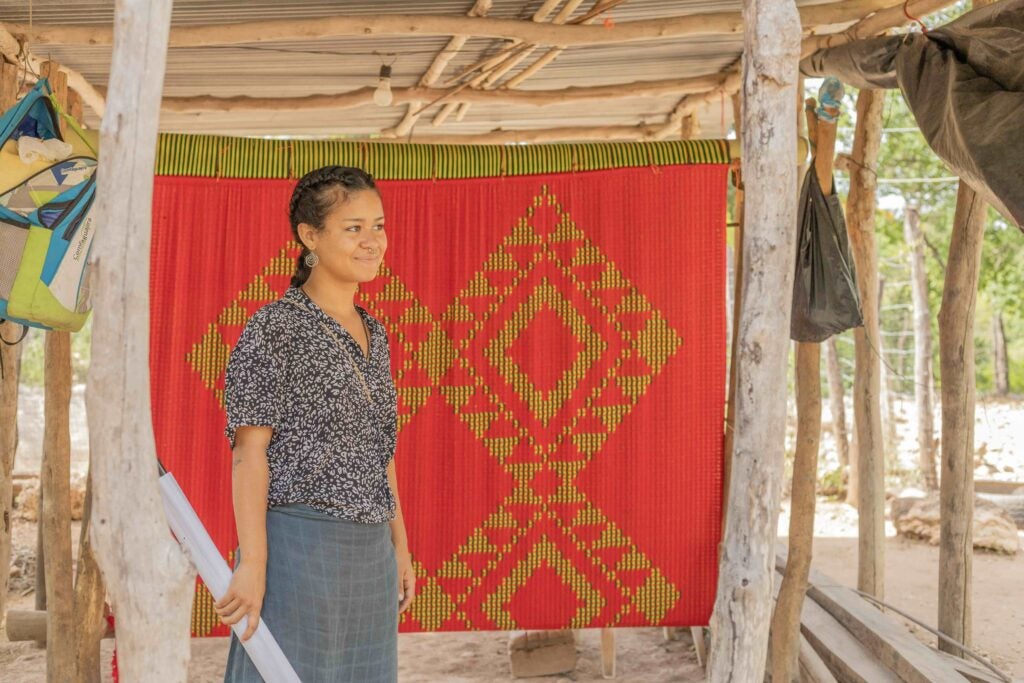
<point x="964" y="83"/>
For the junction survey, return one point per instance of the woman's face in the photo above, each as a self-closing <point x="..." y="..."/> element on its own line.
<point x="352" y="242"/>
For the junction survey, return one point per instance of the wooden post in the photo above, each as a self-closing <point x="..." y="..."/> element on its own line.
<point x="55" y="479"/>
<point x="785" y="632"/>
<point x="10" y="358"/>
<point x="860" y="212"/>
<point x="742" y="611"/>
<point x="837" y="405"/>
<point x="956" y="358"/>
<point x="90" y="601"/>
<point x="149" y="579"/>
<point x="1000" y="361"/>
<point x="922" y="347"/>
<point x="90" y="593"/>
<point x="737" y="247"/>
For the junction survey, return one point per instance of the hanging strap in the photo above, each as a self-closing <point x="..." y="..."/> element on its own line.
<point x="24" y="331"/>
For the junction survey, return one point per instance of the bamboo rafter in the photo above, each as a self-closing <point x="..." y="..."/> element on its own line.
<point x="257" y="32"/>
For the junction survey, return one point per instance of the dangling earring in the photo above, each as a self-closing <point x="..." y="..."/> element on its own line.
<point x="311" y="260"/>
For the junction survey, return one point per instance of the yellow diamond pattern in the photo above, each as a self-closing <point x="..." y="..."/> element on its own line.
<point x="438" y="353"/>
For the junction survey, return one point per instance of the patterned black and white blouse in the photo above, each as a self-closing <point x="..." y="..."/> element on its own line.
<point x="331" y="446"/>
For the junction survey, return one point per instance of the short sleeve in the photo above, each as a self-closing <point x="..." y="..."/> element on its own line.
<point x="252" y="383"/>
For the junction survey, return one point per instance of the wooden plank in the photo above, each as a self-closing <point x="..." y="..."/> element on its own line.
<point x="844" y="655"/>
<point x="888" y="642"/>
<point x="812" y="668"/>
<point x="970" y="670"/>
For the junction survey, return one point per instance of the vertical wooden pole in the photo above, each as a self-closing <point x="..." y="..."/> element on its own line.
<point x="90" y="593"/>
<point x="730" y="406"/>
<point x="922" y="347"/>
<point x="90" y="601"/>
<point x="956" y="362"/>
<point x="742" y="611"/>
<point x="10" y="357"/>
<point x="1000" y="360"/>
<point x="785" y="635"/>
<point x="55" y="479"/>
<point x="837" y="405"/>
<point x="956" y="358"/>
<point x="860" y="212"/>
<point x="148" y="577"/>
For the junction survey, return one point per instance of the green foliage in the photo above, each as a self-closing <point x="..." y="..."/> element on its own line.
<point x="909" y="173"/>
<point x="33" y="356"/>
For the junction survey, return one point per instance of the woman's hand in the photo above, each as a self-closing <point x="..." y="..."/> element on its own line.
<point x="406" y="580"/>
<point x="244" y="597"/>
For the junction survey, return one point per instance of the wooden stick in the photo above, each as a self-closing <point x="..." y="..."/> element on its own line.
<point x="737" y="300"/>
<point x="89" y="605"/>
<point x="956" y="362"/>
<point x="11" y="49"/>
<point x="436" y="68"/>
<point x="259" y="32"/>
<point x="874" y="24"/>
<point x="740" y="621"/>
<point x="785" y="638"/>
<point x="55" y="479"/>
<point x="689" y="128"/>
<point x="31" y="625"/>
<point x="530" y="98"/>
<point x="151" y="582"/>
<point x="90" y="601"/>
<point x="922" y="347"/>
<point x="607" y="653"/>
<point x="956" y="359"/>
<point x="10" y="360"/>
<point x="860" y="212"/>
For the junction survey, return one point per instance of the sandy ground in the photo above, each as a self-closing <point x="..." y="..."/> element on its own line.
<point x="911" y="579"/>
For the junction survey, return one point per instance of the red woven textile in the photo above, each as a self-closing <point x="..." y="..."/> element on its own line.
<point x="558" y="343"/>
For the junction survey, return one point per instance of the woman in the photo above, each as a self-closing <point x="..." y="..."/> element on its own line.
<point x="312" y="420"/>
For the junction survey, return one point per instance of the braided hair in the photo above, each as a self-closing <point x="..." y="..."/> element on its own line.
<point x="313" y="198"/>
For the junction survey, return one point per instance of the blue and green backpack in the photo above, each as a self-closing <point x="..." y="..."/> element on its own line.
<point x="46" y="231"/>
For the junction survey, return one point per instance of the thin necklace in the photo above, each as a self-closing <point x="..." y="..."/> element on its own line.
<point x="337" y="341"/>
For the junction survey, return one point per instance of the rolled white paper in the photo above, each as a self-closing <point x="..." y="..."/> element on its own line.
<point x="262" y="649"/>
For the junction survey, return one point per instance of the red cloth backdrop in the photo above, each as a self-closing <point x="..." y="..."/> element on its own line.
<point x="558" y="342"/>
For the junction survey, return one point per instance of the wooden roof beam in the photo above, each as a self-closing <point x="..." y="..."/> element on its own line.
<point x="709" y="23"/>
<point x="12" y="51"/>
<point x="364" y="96"/>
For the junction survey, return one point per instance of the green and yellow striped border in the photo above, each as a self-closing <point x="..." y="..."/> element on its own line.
<point x="234" y="157"/>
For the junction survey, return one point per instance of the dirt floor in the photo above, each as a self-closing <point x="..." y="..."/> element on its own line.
<point x="911" y="577"/>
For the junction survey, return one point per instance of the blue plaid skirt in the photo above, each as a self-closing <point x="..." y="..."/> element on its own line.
<point x="331" y="599"/>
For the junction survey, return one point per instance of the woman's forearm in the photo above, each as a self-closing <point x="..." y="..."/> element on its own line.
<point x="250" y="478"/>
<point x="398" y="535"/>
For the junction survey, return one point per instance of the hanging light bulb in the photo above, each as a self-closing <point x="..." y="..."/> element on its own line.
<point x="382" y="95"/>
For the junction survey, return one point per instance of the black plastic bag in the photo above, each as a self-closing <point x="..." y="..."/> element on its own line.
<point x="825" y="298"/>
